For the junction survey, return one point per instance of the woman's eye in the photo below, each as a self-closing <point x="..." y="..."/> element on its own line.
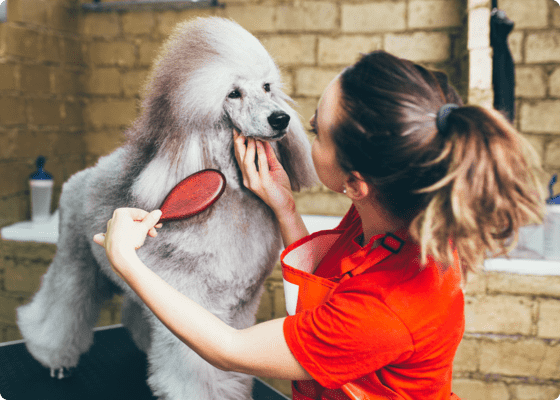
<point x="236" y="94"/>
<point x="266" y="87"/>
<point x="312" y="130"/>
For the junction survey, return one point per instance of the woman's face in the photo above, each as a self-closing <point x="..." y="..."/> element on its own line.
<point x="323" y="150"/>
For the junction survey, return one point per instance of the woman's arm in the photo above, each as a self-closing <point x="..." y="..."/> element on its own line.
<point x="259" y="350"/>
<point x="271" y="183"/>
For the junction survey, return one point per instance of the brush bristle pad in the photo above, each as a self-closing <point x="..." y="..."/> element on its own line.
<point x="193" y="195"/>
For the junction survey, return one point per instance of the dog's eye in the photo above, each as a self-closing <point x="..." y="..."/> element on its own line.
<point x="266" y="87"/>
<point x="236" y="94"/>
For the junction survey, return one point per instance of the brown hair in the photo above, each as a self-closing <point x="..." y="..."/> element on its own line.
<point x="470" y="186"/>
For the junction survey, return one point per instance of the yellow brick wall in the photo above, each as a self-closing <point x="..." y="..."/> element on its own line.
<point x="40" y="99"/>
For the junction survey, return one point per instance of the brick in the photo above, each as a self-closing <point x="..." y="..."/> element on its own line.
<point x="279" y="301"/>
<point x="64" y="17"/>
<point x="138" y="23"/>
<point x="291" y="50"/>
<point x="527" y="13"/>
<point x="34" y="12"/>
<point x="12" y="111"/>
<point x="479" y="29"/>
<point x="8" y="80"/>
<point x="434" y="14"/>
<point x="537" y="142"/>
<point x="498" y="314"/>
<point x="556" y="16"/>
<point x="14" y="208"/>
<point x="50" y="48"/>
<point x="45" y="111"/>
<point x="476" y="283"/>
<point x="148" y="52"/>
<point x="306" y="16"/>
<point x="312" y="81"/>
<point x="322" y="203"/>
<point x="21" y="41"/>
<point x="419" y="46"/>
<point x="481" y="97"/>
<point x="549" y="319"/>
<point x="8" y="305"/>
<point x="73" y="54"/>
<point x="530" y="82"/>
<point x="481" y="77"/>
<point x="68" y="143"/>
<point x="288" y="83"/>
<point x="101" y="25"/>
<point x="112" y="53"/>
<point x="112" y="112"/>
<point x="515" y="42"/>
<point x="245" y="16"/>
<point x="542" y="47"/>
<point x="66" y="81"/>
<point x="35" y="78"/>
<point x="528" y="357"/>
<point x="72" y="114"/>
<point x="479" y="390"/>
<point x="535" y="392"/>
<point x="524" y="284"/>
<point x="306" y="107"/>
<point x="264" y="312"/>
<point x="382" y="16"/>
<point x="23" y="277"/>
<point x="552" y="154"/>
<point x="104" y="81"/>
<point x="167" y="20"/>
<point x="554" y="82"/>
<point x="12" y="333"/>
<point x="466" y="358"/>
<point x="540" y="117"/>
<point x="345" y="50"/>
<point x="102" y="143"/>
<point x="478" y="3"/>
<point x="134" y="82"/>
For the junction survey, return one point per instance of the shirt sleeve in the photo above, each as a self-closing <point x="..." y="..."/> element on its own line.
<point x="352" y="335"/>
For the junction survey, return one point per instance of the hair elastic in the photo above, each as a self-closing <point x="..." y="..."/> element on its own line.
<point x="442" y="115"/>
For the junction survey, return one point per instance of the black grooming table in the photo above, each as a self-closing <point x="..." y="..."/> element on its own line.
<point x="113" y="368"/>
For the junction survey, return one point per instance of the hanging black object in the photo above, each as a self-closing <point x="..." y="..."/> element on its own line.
<point x="503" y="67"/>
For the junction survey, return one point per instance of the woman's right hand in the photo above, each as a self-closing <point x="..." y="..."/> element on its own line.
<point x="270" y="181"/>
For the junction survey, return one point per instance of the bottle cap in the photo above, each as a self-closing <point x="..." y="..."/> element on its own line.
<point x="40" y="174"/>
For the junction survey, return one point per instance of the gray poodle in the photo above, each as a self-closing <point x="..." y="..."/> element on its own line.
<point x="211" y="76"/>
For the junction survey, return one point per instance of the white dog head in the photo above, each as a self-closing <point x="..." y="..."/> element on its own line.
<point x="213" y="75"/>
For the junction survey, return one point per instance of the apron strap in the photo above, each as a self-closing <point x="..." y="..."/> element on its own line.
<point x="390" y="244"/>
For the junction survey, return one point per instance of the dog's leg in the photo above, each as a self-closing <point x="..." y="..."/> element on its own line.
<point x="57" y="324"/>
<point x="177" y="373"/>
<point x="133" y="317"/>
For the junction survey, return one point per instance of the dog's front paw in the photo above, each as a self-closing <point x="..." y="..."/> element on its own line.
<point x="61" y="373"/>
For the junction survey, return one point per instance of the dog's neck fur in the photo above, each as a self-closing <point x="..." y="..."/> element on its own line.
<point x="209" y="149"/>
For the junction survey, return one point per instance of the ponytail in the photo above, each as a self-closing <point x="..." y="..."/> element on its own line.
<point x="490" y="190"/>
<point x="468" y="184"/>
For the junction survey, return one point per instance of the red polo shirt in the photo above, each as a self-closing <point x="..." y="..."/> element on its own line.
<point x="396" y="323"/>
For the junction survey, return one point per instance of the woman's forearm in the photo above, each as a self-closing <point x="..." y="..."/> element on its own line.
<point x="292" y="227"/>
<point x="259" y="350"/>
<point x="180" y="314"/>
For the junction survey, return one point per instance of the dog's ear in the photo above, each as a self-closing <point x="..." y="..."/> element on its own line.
<point x="294" y="151"/>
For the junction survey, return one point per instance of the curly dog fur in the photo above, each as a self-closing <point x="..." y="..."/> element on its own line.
<point x="211" y="76"/>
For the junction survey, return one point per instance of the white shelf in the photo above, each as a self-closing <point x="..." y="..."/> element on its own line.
<point x="47" y="232"/>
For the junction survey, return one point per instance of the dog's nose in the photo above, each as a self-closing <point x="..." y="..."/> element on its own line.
<point x="279" y="120"/>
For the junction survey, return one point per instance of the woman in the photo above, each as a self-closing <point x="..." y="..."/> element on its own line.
<point x="435" y="187"/>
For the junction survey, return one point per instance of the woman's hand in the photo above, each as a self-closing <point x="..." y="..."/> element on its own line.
<point x="126" y="232"/>
<point x="270" y="182"/>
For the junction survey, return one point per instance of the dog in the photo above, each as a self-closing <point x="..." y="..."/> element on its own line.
<point x="210" y="77"/>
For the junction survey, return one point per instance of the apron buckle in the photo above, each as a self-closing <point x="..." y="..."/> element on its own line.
<point x="388" y="246"/>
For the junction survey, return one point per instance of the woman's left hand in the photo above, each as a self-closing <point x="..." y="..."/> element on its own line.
<point x="126" y="232"/>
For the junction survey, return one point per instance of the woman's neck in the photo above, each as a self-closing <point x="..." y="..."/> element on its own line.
<point x="376" y="220"/>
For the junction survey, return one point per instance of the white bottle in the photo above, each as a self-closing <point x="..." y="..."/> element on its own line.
<point x="41" y="184"/>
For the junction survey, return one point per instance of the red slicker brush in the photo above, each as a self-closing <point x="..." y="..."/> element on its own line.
<point x="193" y="195"/>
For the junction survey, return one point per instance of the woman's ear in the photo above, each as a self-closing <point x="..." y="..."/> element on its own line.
<point x="356" y="186"/>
